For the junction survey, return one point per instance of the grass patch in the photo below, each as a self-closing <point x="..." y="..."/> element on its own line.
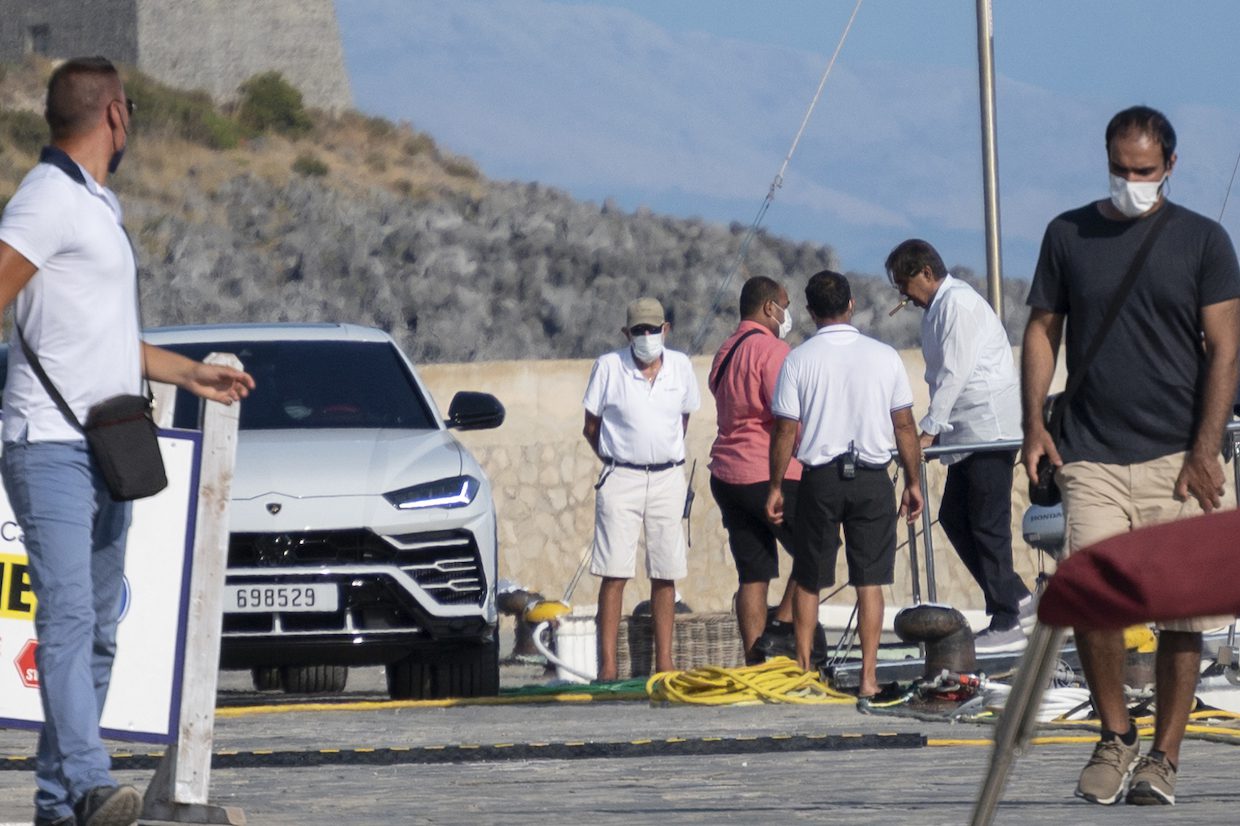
<point x="191" y="116"/>
<point x="310" y="166"/>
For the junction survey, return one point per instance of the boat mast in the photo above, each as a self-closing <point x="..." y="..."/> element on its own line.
<point x="990" y="155"/>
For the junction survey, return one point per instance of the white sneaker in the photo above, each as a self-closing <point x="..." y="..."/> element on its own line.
<point x="1010" y="641"/>
<point x="1027" y="614"/>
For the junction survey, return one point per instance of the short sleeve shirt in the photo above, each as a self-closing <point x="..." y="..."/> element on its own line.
<point x="740" y="454"/>
<point x="642" y="421"/>
<point x="1141" y="398"/>
<point x="79" y="310"/>
<point x="843" y="387"/>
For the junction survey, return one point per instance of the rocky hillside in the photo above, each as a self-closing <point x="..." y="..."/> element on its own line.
<point x="271" y="213"/>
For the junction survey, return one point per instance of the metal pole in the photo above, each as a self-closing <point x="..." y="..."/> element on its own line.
<point x="932" y="591"/>
<point x="912" y="563"/>
<point x="990" y="154"/>
<point x="1019" y="719"/>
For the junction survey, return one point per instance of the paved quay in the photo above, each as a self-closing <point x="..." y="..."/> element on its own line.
<point x="922" y="784"/>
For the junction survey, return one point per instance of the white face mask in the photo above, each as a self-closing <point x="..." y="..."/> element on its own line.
<point x="1133" y="198"/>
<point x="647" y="349"/>
<point x="785" y="326"/>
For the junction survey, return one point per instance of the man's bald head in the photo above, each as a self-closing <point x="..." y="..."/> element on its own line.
<point x="78" y="93"/>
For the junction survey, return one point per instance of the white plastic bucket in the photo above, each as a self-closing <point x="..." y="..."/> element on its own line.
<point x="576" y="644"/>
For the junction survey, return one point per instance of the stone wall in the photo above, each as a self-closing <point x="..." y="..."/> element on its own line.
<point x="194" y="44"/>
<point x="218" y="44"/>
<point x="543" y="473"/>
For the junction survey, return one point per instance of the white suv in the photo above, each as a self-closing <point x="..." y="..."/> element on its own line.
<point x="363" y="533"/>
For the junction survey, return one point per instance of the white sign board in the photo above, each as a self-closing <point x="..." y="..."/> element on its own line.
<point x="144" y="698"/>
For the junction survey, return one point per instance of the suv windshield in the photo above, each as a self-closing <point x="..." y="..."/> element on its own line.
<point x="317" y="384"/>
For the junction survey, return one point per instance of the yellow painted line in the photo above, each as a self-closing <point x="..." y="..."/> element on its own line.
<point x="575" y="743"/>
<point x="641" y="742"/>
<point x="1036" y="741"/>
<point x="503" y="745"/>
<point x="676" y="740"/>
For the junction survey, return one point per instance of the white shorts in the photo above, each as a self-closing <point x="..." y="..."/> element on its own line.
<point x="628" y="501"/>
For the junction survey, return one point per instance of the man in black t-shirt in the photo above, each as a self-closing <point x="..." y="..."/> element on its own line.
<point x="1141" y="436"/>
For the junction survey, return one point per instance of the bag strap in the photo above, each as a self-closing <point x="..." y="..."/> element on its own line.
<point x="1117" y="303"/>
<point x="723" y="365"/>
<point x="37" y="366"/>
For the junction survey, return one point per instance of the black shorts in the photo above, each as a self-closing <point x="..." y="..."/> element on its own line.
<point x="750" y="536"/>
<point x="865" y="506"/>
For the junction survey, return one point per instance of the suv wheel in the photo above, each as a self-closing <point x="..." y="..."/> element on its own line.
<point x="266" y="679"/>
<point x="314" y="679"/>
<point x="464" y="672"/>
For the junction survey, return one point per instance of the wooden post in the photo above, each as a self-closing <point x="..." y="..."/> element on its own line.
<point x="178" y="791"/>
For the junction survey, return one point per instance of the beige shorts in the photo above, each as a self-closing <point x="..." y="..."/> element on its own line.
<point x="1103" y="500"/>
<point x="629" y="501"/>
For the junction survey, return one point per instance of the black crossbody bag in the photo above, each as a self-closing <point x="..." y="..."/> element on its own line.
<point x="1045" y="492"/>
<point x="121" y="434"/>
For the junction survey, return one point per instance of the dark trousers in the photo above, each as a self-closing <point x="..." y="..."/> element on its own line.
<point x="976" y="515"/>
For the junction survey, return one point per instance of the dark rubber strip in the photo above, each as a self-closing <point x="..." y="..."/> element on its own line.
<point x="464" y="753"/>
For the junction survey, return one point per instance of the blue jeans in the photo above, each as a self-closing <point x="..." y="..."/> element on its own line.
<point x="75" y="541"/>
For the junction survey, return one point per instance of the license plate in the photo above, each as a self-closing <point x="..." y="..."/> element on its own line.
<point x="253" y="599"/>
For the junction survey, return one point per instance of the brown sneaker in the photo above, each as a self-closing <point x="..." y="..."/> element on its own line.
<point x="1106" y="774"/>
<point x="1153" y="783"/>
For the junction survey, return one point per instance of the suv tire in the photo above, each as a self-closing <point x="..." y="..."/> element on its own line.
<point x="463" y="672"/>
<point x="266" y="678"/>
<point x="314" y="679"/>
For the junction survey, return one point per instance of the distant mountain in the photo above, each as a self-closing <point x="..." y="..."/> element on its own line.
<point x="356" y="219"/>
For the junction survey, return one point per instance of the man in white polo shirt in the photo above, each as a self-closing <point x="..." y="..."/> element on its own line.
<point x="851" y="397"/>
<point x="637" y="407"/>
<point x="68" y="268"/>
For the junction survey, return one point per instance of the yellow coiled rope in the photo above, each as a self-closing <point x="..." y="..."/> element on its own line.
<point x="778" y="680"/>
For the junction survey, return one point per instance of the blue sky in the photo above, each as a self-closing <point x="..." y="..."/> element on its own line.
<point x="689" y="106"/>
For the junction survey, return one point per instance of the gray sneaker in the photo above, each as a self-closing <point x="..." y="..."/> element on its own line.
<point x="991" y="641"/>
<point x="109" y="806"/>
<point x="1027" y="614"/>
<point x="1106" y="774"/>
<point x="1153" y="783"/>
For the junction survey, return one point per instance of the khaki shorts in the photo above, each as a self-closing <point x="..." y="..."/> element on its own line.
<point x="1104" y="500"/>
<point x="629" y="501"/>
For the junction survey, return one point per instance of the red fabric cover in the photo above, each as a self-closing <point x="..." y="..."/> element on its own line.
<point x="1189" y="568"/>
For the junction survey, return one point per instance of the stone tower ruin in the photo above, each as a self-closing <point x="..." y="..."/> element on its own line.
<point x="191" y="44"/>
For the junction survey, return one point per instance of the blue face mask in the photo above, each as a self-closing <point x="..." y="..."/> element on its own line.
<point x="114" y="162"/>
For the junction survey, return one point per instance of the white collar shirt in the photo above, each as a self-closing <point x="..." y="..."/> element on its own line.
<point x="642" y="421"/>
<point x="974" y="386"/>
<point x="79" y="310"/>
<point x="843" y="387"/>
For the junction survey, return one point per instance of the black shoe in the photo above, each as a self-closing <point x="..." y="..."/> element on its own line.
<point x="109" y="806"/>
<point x="779" y="640"/>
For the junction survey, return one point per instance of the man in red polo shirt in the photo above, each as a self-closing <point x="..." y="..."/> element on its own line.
<point x="742" y="379"/>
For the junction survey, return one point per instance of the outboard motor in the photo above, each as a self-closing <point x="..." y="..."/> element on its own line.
<point x="1043" y="528"/>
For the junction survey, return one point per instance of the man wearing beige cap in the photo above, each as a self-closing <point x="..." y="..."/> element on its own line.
<point x="637" y="407"/>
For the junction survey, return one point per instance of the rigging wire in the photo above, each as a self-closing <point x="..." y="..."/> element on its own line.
<point x="1227" y="195"/>
<point x="776" y="183"/>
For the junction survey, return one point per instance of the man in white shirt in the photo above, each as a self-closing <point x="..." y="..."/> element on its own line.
<point x="851" y="398"/>
<point x="974" y="398"/>
<point x="637" y="407"/>
<point x="68" y="268"/>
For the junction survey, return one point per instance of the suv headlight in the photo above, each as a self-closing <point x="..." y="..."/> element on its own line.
<point x="456" y="492"/>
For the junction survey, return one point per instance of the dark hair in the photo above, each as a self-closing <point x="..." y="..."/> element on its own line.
<point x="756" y="292"/>
<point x="1145" y="120"/>
<point x="77" y="93"/>
<point x="910" y="257"/>
<point x="827" y="294"/>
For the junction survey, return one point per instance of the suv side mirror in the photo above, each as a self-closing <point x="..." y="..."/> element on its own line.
<point x="474" y="411"/>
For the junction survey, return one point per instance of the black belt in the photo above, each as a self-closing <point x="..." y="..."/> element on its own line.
<point x="647" y="468"/>
<point x="839" y="459"/>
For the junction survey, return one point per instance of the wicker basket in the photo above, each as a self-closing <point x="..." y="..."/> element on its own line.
<point x="698" y="640"/>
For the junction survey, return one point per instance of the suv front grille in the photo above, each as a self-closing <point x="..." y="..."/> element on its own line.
<point x="446" y="564"/>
